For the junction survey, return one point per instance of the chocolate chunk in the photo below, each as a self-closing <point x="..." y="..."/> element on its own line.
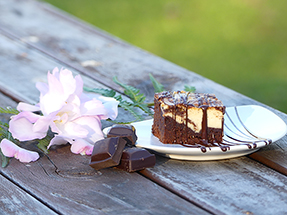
<point x="134" y="159"/>
<point x="128" y="132"/>
<point x="107" y="152"/>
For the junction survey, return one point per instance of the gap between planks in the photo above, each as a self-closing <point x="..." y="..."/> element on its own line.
<point x="267" y="162"/>
<point x="101" y="81"/>
<point x="255" y="156"/>
<point x="147" y="174"/>
<point x="30" y="193"/>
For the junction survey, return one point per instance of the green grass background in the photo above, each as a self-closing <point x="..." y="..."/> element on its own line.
<point x="241" y="44"/>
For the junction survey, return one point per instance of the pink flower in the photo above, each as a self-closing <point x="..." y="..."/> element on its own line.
<point x="28" y="126"/>
<point x="9" y="149"/>
<point x="83" y="147"/>
<point x="62" y="87"/>
<point x="73" y="116"/>
<point x="82" y="133"/>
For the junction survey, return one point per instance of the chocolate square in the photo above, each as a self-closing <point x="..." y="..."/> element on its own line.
<point x="134" y="159"/>
<point x="107" y="152"/>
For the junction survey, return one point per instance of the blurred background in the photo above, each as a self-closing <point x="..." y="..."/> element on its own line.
<point x="241" y="44"/>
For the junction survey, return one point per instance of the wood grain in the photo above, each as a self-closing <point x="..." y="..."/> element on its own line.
<point x="13" y="200"/>
<point x="235" y="186"/>
<point x="67" y="183"/>
<point x="64" y="181"/>
<point x="73" y="42"/>
<point x="82" y="43"/>
<point x="59" y="179"/>
<point x="31" y="42"/>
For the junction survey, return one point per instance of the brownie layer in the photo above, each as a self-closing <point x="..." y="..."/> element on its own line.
<point x="188" y="118"/>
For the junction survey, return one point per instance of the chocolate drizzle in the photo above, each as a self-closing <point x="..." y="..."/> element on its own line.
<point x="178" y="110"/>
<point x="175" y="122"/>
<point x="241" y="136"/>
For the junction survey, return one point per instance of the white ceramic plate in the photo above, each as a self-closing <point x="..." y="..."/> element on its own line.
<point x="247" y="129"/>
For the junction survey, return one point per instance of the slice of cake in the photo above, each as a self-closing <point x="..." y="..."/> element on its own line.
<point x="188" y="118"/>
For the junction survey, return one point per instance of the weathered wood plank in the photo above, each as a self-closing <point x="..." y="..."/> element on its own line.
<point x="19" y="81"/>
<point x="65" y="181"/>
<point x="13" y="60"/>
<point x="61" y="174"/>
<point x="13" y="200"/>
<point x="236" y="186"/>
<point x="79" y="43"/>
<point x="74" y="43"/>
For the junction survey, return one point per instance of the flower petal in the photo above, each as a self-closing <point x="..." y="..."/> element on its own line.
<point x="26" y="156"/>
<point x="42" y="125"/>
<point x="104" y="107"/>
<point x="70" y="84"/>
<point x="59" y="140"/>
<point x="22" y="128"/>
<point x="51" y="102"/>
<point x="93" y="107"/>
<point x="42" y="87"/>
<point x="93" y="126"/>
<point x="79" y="84"/>
<point x="9" y="149"/>
<point x="54" y="83"/>
<point x="111" y="106"/>
<point x="73" y="130"/>
<point x="54" y="99"/>
<point x="27" y="107"/>
<point x="71" y="115"/>
<point x="81" y="146"/>
<point x="55" y="72"/>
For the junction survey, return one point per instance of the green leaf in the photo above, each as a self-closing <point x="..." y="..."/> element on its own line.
<point x="9" y="110"/>
<point x="4" y="125"/>
<point x="5" y="160"/>
<point x="189" y="89"/>
<point x="43" y="147"/>
<point x="119" y="122"/>
<point x="158" y="87"/>
<point x="130" y="107"/>
<point x="103" y="92"/>
<point x="137" y="99"/>
<point x="43" y="143"/>
<point x="131" y="92"/>
<point x="145" y="108"/>
<point x="4" y="133"/>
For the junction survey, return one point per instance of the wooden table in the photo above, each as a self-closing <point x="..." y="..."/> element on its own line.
<point x="35" y="38"/>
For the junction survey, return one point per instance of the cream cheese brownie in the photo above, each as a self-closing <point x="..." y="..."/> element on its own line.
<point x="188" y="118"/>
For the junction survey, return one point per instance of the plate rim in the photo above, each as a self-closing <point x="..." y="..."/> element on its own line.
<point x="176" y="151"/>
